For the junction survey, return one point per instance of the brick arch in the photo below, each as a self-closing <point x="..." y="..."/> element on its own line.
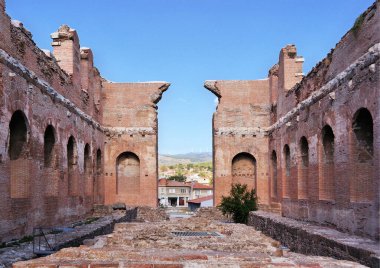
<point x="286" y="173"/>
<point x="97" y="188"/>
<point x="72" y="166"/>
<point x="362" y="161"/>
<point x="244" y="169"/>
<point x="18" y="135"/>
<point x="50" y="162"/>
<point x="303" y="168"/>
<point x="326" y="166"/>
<point x="127" y="176"/>
<point x="87" y="170"/>
<point x="18" y="154"/>
<point x="274" y="177"/>
<point x="49" y="145"/>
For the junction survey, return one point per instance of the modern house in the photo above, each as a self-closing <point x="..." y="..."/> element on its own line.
<point x="177" y="194"/>
<point x="201" y="190"/>
<point x="173" y="193"/>
<point x="205" y="201"/>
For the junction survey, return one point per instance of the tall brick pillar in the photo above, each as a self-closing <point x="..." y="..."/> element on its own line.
<point x="87" y="64"/>
<point x="87" y="77"/>
<point x="67" y="52"/>
<point x="290" y="67"/>
<point x="273" y="83"/>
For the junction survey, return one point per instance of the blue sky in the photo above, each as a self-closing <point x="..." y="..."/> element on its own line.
<point x="188" y="41"/>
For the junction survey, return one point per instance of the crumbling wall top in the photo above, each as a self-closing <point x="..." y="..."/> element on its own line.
<point x="273" y="70"/>
<point x="64" y="32"/>
<point x="351" y="46"/>
<point x="289" y="51"/>
<point x="213" y="87"/>
<point x="132" y="104"/>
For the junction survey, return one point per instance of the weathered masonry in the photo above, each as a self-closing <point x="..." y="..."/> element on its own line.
<point x="68" y="137"/>
<point x="309" y="145"/>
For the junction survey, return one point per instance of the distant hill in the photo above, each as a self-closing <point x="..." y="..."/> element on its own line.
<point x="187" y="158"/>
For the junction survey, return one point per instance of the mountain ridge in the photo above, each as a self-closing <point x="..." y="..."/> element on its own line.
<point x="185" y="158"/>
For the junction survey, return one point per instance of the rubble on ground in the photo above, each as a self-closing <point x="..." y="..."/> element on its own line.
<point x="135" y="244"/>
<point x="149" y="214"/>
<point x="211" y="213"/>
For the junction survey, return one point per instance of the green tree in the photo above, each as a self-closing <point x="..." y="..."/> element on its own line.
<point x="239" y="203"/>
<point x="179" y="177"/>
<point x="190" y="166"/>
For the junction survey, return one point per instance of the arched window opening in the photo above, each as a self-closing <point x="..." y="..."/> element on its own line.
<point x="97" y="180"/>
<point x="274" y="174"/>
<point x="87" y="166"/>
<point x="17" y="150"/>
<point x="363" y="129"/>
<point x="49" y="142"/>
<point x="99" y="162"/>
<point x="87" y="159"/>
<point x="72" y="157"/>
<point x="244" y="170"/>
<point x="17" y="135"/>
<point x="361" y="183"/>
<point x="326" y="181"/>
<point x="286" y="176"/>
<point x="128" y="174"/>
<point x="51" y="172"/>
<point x="303" y="169"/>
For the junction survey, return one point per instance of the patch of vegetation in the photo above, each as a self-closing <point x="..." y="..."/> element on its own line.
<point x="357" y="25"/>
<point x="86" y="221"/>
<point x="17" y="242"/>
<point x="203" y="170"/>
<point x="180" y="178"/>
<point x="239" y="203"/>
<point x="91" y="220"/>
<point x="28" y="238"/>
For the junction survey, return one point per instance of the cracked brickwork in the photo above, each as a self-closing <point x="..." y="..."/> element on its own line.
<point x="59" y="136"/>
<point x="315" y="139"/>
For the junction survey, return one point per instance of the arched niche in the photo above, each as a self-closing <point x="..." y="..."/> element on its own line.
<point x="244" y="169"/>
<point x="127" y="174"/>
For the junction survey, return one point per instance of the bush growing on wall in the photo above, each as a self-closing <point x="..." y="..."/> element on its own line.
<point x="239" y="203"/>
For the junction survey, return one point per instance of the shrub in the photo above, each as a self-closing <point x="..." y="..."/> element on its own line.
<point x="239" y="203"/>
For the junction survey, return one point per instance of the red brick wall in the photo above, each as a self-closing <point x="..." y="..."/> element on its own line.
<point x="64" y="92"/>
<point x="244" y="106"/>
<point x="342" y="191"/>
<point x="340" y="183"/>
<point x="130" y="117"/>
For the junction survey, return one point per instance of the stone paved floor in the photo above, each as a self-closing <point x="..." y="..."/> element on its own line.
<point x="152" y="244"/>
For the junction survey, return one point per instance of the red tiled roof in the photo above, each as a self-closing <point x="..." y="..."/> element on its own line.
<point x="200" y="199"/>
<point x="197" y="185"/>
<point x="171" y="183"/>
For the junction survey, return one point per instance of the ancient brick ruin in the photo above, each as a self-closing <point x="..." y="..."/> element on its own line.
<point x="308" y="144"/>
<point x="69" y="139"/>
